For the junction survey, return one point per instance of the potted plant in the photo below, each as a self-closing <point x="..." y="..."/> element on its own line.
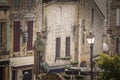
<point x="74" y="63"/>
<point x="66" y="58"/>
<point x="67" y="77"/>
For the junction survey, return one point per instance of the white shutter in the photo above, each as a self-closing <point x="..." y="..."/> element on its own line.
<point x="117" y="17"/>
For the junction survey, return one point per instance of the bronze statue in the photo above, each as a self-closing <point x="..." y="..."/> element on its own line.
<point x="41" y="65"/>
<point x="39" y="51"/>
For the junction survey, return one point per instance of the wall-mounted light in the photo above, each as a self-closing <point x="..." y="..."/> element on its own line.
<point x="25" y="36"/>
<point x="21" y="29"/>
<point x="105" y="22"/>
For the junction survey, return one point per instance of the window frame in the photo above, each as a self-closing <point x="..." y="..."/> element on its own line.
<point x="58" y="47"/>
<point x="117" y="17"/>
<point x="16" y="35"/>
<point x="3" y="34"/>
<point x="67" y="47"/>
<point x="30" y="35"/>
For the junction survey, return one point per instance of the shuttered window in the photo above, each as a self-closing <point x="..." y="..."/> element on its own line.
<point x="30" y="34"/>
<point x="58" y="41"/>
<point x="3" y="34"/>
<point x="67" y="50"/>
<point x="117" y="17"/>
<point x="16" y="41"/>
<point x="118" y="46"/>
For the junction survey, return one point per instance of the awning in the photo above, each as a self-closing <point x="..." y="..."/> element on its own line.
<point x="4" y="63"/>
<point x="56" y="70"/>
<point x="21" y="61"/>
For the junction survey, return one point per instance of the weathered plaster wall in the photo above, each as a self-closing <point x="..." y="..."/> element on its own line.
<point x="60" y="23"/>
<point x="95" y="25"/>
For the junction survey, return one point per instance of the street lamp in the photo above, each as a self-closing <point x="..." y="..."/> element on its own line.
<point x="90" y="39"/>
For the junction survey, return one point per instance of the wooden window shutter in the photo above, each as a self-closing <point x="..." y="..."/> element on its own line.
<point x="67" y="46"/>
<point x="30" y="34"/>
<point x="58" y="41"/>
<point x="117" y="17"/>
<point x="16" y="41"/>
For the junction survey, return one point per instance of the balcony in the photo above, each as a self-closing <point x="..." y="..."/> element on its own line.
<point x="4" y="5"/>
<point x="18" y="62"/>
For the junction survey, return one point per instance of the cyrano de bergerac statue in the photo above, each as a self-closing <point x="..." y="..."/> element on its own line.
<point x="41" y="65"/>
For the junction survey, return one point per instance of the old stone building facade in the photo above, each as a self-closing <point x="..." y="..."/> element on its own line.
<point x="73" y="19"/>
<point x="18" y="28"/>
<point x="66" y="24"/>
<point x="4" y="39"/>
<point x="60" y="19"/>
<point x="91" y="19"/>
<point x="114" y="26"/>
<point x="23" y="19"/>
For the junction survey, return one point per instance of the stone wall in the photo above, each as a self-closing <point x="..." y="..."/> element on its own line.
<point x="93" y="18"/>
<point x="60" y="19"/>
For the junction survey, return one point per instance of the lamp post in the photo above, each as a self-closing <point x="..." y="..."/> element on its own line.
<point x="90" y="39"/>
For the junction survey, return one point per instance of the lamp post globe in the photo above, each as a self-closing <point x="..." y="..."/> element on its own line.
<point x="91" y="39"/>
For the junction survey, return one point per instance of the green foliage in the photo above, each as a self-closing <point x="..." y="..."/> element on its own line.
<point x="52" y="76"/>
<point x="67" y="77"/>
<point x="67" y="67"/>
<point x="74" y="62"/>
<point x="79" y="77"/>
<point x="110" y="66"/>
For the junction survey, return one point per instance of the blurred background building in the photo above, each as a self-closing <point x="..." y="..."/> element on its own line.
<point x="65" y="23"/>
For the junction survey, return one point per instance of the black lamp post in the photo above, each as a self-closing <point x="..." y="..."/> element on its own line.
<point x="90" y="39"/>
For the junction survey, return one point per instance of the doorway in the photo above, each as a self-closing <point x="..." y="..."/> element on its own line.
<point x="27" y="74"/>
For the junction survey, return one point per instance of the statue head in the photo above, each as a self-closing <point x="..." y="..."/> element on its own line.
<point x="39" y="34"/>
